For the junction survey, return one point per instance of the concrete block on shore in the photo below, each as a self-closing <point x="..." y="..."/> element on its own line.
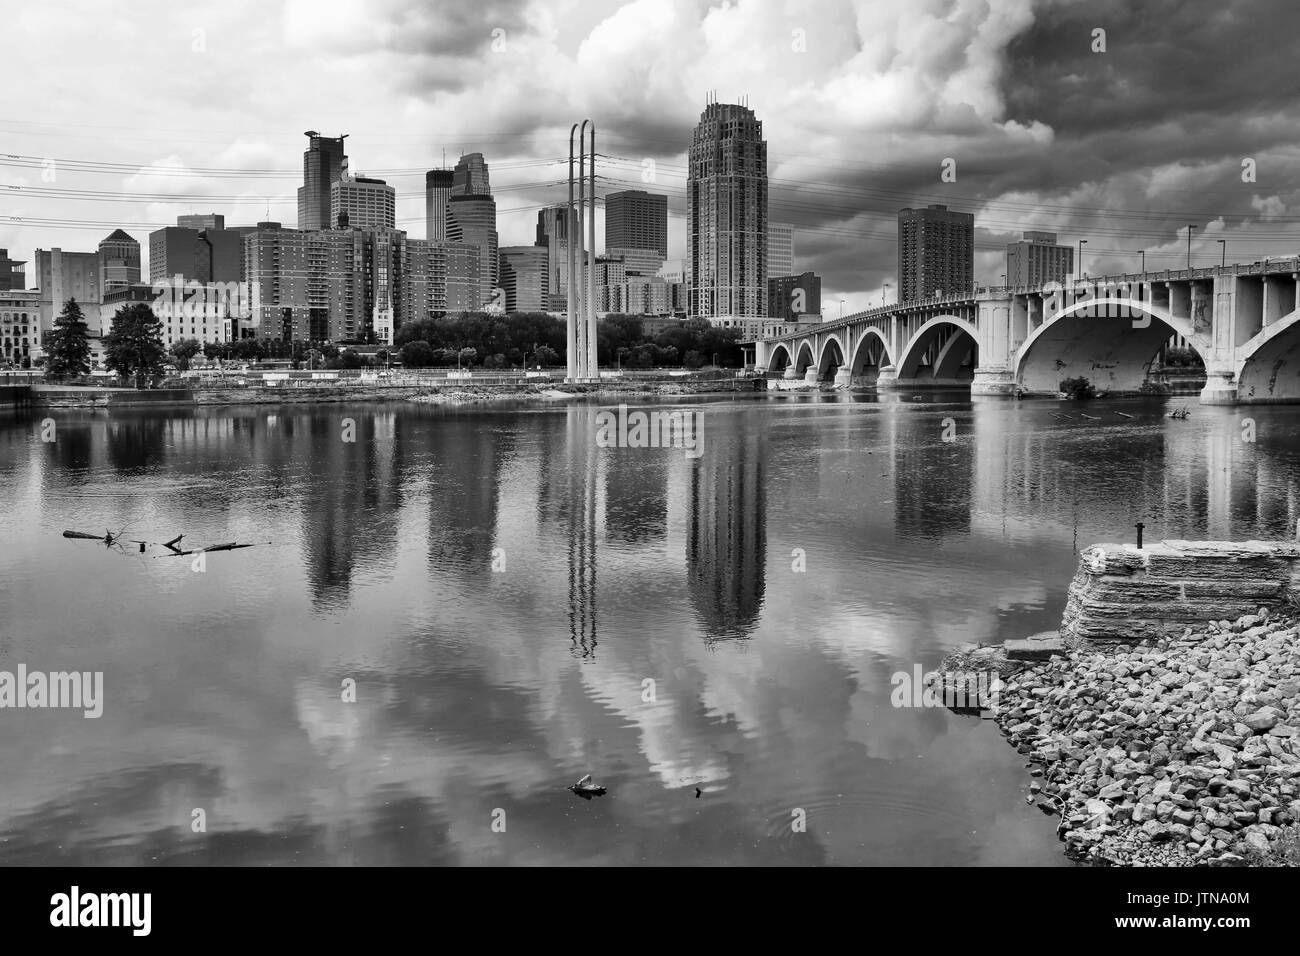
<point x="1036" y="647"/>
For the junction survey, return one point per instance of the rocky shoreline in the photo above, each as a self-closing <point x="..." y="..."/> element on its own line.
<point x="1182" y="751"/>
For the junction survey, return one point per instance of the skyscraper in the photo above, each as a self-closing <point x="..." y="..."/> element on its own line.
<point x="553" y="228"/>
<point x="437" y="194"/>
<point x="635" y="219"/>
<point x="936" y="252"/>
<point x="367" y="204"/>
<point x="726" y="217"/>
<point x="470" y="177"/>
<point x="322" y="163"/>
<point x="472" y="220"/>
<point x="119" y="261"/>
<point x="1037" y="259"/>
<point x="523" y="277"/>
<point x="780" y="249"/>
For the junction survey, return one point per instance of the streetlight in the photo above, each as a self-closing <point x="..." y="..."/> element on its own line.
<point x="1143" y="254"/>
<point x="841" y="308"/>
<point x="884" y="294"/>
<point x="1082" y="243"/>
<point x="1223" y="248"/>
<point x="1190" y="227"/>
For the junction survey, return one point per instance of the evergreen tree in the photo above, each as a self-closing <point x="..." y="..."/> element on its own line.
<point x="68" y="343"/>
<point x="134" y="349"/>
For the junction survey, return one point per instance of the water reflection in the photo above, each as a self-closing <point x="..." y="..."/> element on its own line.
<point x="518" y="606"/>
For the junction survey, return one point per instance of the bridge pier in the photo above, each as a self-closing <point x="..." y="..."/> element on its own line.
<point x="810" y="376"/>
<point x="993" y="381"/>
<point x="1220" y="388"/>
<point x="790" y="374"/>
<point x="843" y="377"/>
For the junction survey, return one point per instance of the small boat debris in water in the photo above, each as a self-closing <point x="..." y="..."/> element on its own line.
<point x="586" y="789"/>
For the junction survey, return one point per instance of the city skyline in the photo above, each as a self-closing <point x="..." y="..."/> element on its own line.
<point x="987" y="89"/>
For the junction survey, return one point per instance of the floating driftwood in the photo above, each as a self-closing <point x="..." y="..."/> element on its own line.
<point x="172" y="546"/>
<point x="586" y="789"/>
<point x="1095" y="418"/>
<point x="1126" y="414"/>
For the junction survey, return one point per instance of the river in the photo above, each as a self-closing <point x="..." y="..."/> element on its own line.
<point x="513" y="607"/>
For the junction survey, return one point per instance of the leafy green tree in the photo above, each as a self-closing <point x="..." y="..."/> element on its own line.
<point x="68" y="343"/>
<point x="184" y="351"/>
<point x="134" y="348"/>
<point x="416" y="355"/>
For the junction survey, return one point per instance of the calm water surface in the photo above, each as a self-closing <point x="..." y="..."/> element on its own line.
<point x="481" y="693"/>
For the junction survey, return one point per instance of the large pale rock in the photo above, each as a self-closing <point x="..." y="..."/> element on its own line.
<point x="1121" y="593"/>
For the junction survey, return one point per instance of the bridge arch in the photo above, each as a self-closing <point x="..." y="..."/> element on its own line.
<point x="1112" y="350"/>
<point x="803" y="358"/>
<point x="1270" y="367"/>
<point x="943" y="344"/>
<point x="780" y="359"/>
<point x="831" y="358"/>
<point x="871" y="355"/>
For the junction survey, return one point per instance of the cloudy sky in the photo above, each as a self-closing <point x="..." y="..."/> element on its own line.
<point x="129" y="113"/>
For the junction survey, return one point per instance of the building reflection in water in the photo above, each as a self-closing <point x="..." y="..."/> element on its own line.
<point x="726" y="550"/>
<point x="583" y="474"/>
<point x="467" y="451"/>
<point x="932" y="477"/>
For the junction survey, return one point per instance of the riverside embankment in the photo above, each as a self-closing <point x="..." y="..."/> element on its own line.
<point x="451" y="394"/>
<point x="1159" y="734"/>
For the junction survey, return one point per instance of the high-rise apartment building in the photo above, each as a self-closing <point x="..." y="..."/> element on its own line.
<point x="635" y="219"/>
<point x="437" y="195"/>
<point x="936" y="252"/>
<point x="119" y="261"/>
<point x="792" y="297"/>
<point x="20" y="328"/>
<point x="470" y="177"/>
<point x="726" y="217"/>
<point x="360" y="203"/>
<point x="472" y="220"/>
<point x="780" y="249"/>
<point x="524" y="278"/>
<point x="323" y="162"/>
<point x="1037" y="259"/>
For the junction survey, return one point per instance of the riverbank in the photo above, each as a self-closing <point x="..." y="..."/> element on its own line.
<point x="1183" y="751"/>
<point x="451" y="394"/>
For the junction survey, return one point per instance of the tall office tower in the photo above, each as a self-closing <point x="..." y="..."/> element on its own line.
<point x="206" y="220"/>
<point x="472" y="221"/>
<point x="1037" y="259"/>
<point x="523" y="277"/>
<point x="11" y="272"/>
<point x="322" y="163"/>
<point x="119" y="261"/>
<point x="437" y="194"/>
<point x="780" y="249"/>
<point x="553" y="228"/>
<point x="726" y="217"/>
<point x="470" y="177"/>
<point x="936" y="252"/>
<point x="635" y="219"/>
<point x="200" y="255"/>
<point x="366" y="204"/>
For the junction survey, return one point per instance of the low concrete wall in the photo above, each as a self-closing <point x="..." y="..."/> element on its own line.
<point x="15" y="394"/>
<point x="1121" y="593"/>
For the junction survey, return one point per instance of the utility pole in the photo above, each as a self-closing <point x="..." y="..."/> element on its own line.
<point x="570" y="331"/>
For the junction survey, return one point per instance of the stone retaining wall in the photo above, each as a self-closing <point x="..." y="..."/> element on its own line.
<point x="1124" y="594"/>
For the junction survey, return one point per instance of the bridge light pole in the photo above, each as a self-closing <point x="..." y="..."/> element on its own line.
<point x="841" y="308"/>
<point x="1190" y="227"/>
<point x="1223" y="247"/>
<point x="1143" y="254"/>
